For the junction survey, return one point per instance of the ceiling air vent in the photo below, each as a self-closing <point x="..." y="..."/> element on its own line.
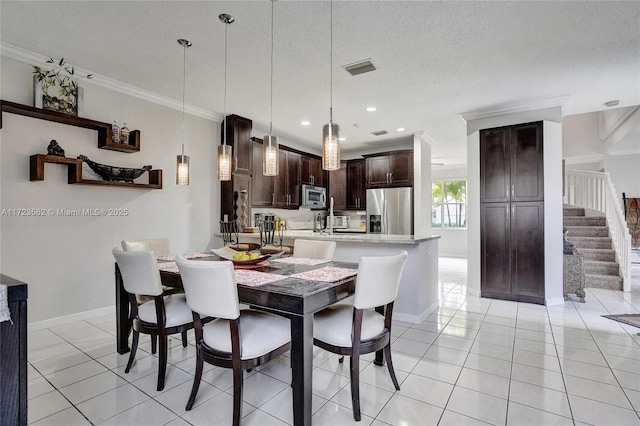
<point x="360" y="67"/>
<point x="379" y="133"/>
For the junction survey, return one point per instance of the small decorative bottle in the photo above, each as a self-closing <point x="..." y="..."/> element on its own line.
<point x="115" y="132"/>
<point x="124" y="134"/>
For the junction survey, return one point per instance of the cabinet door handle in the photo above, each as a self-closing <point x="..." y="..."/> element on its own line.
<point x="507" y="191"/>
<point x="313" y="180"/>
<point x="273" y="198"/>
<point x="236" y="163"/>
<point x="513" y="191"/>
<point x="390" y="177"/>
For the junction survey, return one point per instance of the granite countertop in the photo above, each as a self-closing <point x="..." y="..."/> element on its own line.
<point x="346" y="237"/>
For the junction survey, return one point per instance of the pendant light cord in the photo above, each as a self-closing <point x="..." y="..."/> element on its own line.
<point x="271" y="106"/>
<point x="226" y="27"/>
<point x="184" y="84"/>
<point x="331" y="63"/>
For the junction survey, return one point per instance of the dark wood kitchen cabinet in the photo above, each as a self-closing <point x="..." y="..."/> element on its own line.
<point x="286" y="186"/>
<point x="262" y="185"/>
<point x="512" y="213"/>
<point x="239" y="137"/>
<point x="338" y="186"/>
<point x="356" y="190"/>
<point x="311" y="172"/>
<point x="389" y="169"/>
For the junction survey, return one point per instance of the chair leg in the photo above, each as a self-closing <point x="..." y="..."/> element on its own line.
<point x="162" y="361"/>
<point x="355" y="387"/>
<point x="134" y="348"/>
<point x="237" y="396"/>
<point x="154" y="343"/>
<point x="196" y="381"/>
<point x="184" y="339"/>
<point x="392" y="373"/>
<point x="341" y="359"/>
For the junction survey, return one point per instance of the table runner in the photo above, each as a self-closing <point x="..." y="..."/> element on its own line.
<point x="301" y="261"/>
<point x="327" y="274"/>
<point x="243" y="276"/>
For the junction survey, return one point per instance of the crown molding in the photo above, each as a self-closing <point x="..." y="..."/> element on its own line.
<point x="424" y="137"/>
<point x="624" y="152"/>
<point x="500" y="110"/>
<point x="25" y="56"/>
<point x="584" y="159"/>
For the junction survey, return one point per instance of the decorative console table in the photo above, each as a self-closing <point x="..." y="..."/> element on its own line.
<point x="13" y="354"/>
<point x="574" y="276"/>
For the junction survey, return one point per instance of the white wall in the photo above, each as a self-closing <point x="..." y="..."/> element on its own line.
<point x="582" y="148"/>
<point x="552" y="138"/>
<point x="421" y="186"/>
<point x="625" y="174"/>
<point x="67" y="261"/>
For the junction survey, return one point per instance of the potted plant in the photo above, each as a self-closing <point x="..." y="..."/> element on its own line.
<point x="57" y="88"/>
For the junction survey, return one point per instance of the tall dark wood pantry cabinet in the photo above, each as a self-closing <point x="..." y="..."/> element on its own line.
<point x="512" y="213"/>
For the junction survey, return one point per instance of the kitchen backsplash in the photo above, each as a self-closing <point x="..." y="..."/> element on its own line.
<point x="305" y="218"/>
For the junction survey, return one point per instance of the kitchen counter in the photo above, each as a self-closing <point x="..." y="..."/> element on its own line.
<point x="292" y="234"/>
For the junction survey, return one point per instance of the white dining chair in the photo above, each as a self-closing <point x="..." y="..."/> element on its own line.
<point x="357" y="329"/>
<point x="159" y="246"/>
<point x="167" y="313"/>
<point x="236" y="339"/>
<point x="314" y="249"/>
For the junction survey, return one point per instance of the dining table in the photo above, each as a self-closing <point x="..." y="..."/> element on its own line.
<point x="292" y="287"/>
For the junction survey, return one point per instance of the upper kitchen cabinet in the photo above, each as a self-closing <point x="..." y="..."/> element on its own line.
<point x="286" y="189"/>
<point x="356" y="190"/>
<point x="262" y="185"/>
<point x="511" y="166"/>
<point x="311" y="172"/>
<point x="239" y="136"/>
<point x="338" y="186"/>
<point x="389" y="169"/>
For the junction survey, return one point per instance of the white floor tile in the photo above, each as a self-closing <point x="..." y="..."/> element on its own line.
<point x="598" y="413"/>
<point x="401" y="410"/>
<point x="489" y="365"/>
<point x="147" y="413"/>
<point x="484" y="382"/>
<point x="176" y="398"/>
<point x="426" y="390"/>
<point x="372" y="399"/>
<point x="68" y="417"/>
<point x="522" y="415"/>
<point x="45" y="405"/>
<point x="92" y="386"/>
<point x="538" y="376"/>
<point x="451" y="418"/>
<point x="598" y="391"/>
<point x="544" y="399"/>
<point x="478" y="406"/>
<point x="62" y="378"/>
<point x="332" y="414"/>
<point x="437" y="370"/>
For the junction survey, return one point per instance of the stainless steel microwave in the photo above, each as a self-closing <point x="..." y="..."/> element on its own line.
<point x="314" y="196"/>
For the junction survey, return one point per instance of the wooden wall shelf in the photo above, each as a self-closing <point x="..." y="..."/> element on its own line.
<point x="103" y="129"/>
<point x="74" y="170"/>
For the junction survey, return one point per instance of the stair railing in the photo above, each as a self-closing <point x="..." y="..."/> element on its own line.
<point x="594" y="190"/>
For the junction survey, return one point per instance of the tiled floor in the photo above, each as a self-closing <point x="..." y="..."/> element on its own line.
<point x="475" y="361"/>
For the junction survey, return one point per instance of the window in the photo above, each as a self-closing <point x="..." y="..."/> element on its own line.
<point x="448" y="204"/>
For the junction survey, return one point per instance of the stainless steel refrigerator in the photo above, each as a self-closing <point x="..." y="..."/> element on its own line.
<point x="390" y="211"/>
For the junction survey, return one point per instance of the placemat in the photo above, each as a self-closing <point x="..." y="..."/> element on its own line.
<point x="168" y="267"/>
<point x="186" y="256"/>
<point x="327" y="274"/>
<point x="301" y="261"/>
<point x="255" y="278"/>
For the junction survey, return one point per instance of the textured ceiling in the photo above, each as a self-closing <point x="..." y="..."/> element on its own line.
<point x="435" y="60"/>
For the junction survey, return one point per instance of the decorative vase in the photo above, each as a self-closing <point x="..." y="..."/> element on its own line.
<point x="243" y="209"/>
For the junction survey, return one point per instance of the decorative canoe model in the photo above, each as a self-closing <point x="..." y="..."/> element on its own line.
<point x="113" y="173"/>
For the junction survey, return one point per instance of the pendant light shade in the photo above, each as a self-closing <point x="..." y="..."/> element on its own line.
<point x="330" y="131"/>
<point x="270" y="143"/>
<point x="224" y="162"/>
<point x="224" y="150"/>
<point x="182" y="165"/>
<point x="270" y="156"/>
<point x="330" y="146"/>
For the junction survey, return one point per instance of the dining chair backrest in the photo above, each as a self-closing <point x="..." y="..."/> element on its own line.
<point x="139" y="270"/>
<point x="210" y="287"/>
<point x="378" y="280"/>
<point x="314" y="249"/>
<point x="159" y="246"/>
<point x="229" y="231"/>
<point x="269" y="235"/>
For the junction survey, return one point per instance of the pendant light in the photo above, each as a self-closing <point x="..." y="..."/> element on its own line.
<point x="224" y="150"/>
<point x="270" y="143"/>
<point x="182" y="162"/>
<point x="330" y="133"/>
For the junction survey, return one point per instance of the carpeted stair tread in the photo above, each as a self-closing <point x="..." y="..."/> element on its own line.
<point x="601" y="268"/>
<point x="584" y="221"/>
<point x="603" y="281"/>
<point x="603" y="255"/>
<point x="572" y="211"/>
<point x="591" y="242"/>
<point x="587" y="231"/>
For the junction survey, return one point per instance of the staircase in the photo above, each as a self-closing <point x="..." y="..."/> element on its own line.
<point x="590" y="235"/>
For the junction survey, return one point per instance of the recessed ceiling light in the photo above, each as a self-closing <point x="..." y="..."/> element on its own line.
<point x="400" y="129"/>
<point x="342" y="139"/>
<point x="371" y="109"/>
<point x="612" y="103"/>
<point x="305" y="123"/>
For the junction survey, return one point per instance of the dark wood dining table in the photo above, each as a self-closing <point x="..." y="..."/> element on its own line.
<point x="297" y="299"/>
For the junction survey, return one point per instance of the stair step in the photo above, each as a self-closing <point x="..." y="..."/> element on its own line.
<point x="591" y="242"/>
<point x="609" y="282"/>
<point x="587" y="231"/>
<point x="601" y="268"/>
<point x="584" y="221"/>
<point x="603" y="255"/>
<point x="572" y="211"/>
